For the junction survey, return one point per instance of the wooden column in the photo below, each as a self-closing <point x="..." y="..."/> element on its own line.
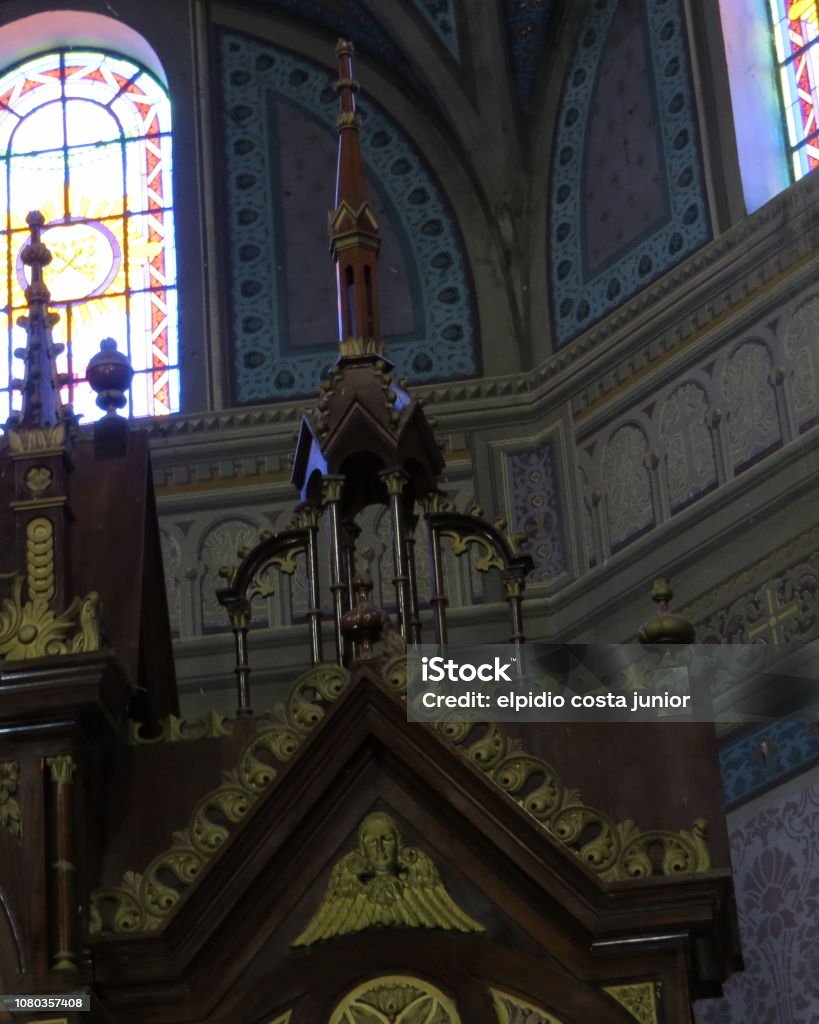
<point x="62" y="874"/>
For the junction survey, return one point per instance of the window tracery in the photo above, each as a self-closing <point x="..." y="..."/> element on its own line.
<point x="85" y="137"/>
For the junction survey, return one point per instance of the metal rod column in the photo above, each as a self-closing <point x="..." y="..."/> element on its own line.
<point x="395" y="481"/>
<point x="412" y="572"/>
<point x="513" y="587"/>
<point x="309" y="516"/>
<point x="331" y="493"/>
<point x="438" y="599"/>
<point x="239" y="612"/>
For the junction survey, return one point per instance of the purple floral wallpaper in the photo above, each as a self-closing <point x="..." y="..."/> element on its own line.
<point x="776" y="864"/>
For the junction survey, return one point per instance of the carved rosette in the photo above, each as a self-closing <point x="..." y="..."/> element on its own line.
<point x="396" y="1000"/>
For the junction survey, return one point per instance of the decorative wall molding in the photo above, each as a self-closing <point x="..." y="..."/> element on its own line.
<point x="739" y="402"/>
<point x="537" y="507"/>
<point x="755" y="762"/>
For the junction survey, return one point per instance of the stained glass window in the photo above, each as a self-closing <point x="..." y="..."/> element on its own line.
<point x="85" y="137"/>
<point x="796" y="39"/>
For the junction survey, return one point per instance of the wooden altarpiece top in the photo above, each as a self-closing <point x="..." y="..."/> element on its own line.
<point x="327" y="862"/>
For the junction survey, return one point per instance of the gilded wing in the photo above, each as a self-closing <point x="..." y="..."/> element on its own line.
<point x="356" y="900"/>
<point x="425" y="902"/>
<point x="344" y="905"/>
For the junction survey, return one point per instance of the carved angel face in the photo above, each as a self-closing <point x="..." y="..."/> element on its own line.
<point x="379" y="842"/>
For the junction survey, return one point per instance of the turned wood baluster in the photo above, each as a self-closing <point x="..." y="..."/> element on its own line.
<point x="63" y="877"/>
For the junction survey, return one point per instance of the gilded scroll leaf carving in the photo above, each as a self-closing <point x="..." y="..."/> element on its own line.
<point x="384" y="884"/>
<point x="396" y="1000"/>
<point x="29" y="626"/>
<point x="9" y="807"/>
<point x="283" y="1018"/>
<point x="141" y="902"/>
<point x="31" y="629"/>
<point x="614" y="850"/>
<point x="173" y="729"/>
<point x="511" y="1010"/>
<point x="641" y="1000"/>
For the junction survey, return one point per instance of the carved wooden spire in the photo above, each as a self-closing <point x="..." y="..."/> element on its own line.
<point x="353" y="228"/>
<point x="41" y="383"/>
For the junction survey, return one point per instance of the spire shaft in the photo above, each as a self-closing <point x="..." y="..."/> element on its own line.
<point x="353" y="228"/>
<point x="40" y="386"/>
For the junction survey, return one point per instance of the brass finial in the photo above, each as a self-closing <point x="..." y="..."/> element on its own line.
<point x="344" y="46"/>
<point x="41" y="383"/>
<point x="666" y="627"/>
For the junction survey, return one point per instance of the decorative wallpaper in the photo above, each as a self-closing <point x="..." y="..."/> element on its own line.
<point x="280" y="144"/>
<point x="775" y="857"/>
<point x="534" y="492"/>
<point x="441" y="16"/>
<point x="529" y="23"/>
<point x="628" y="199"/>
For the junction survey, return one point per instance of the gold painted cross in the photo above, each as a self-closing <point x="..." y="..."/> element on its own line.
<point x="777" y="614"/>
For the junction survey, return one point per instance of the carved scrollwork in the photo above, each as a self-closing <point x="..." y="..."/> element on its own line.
<point x="615" y="851"/>
<point x="641" y="1000"/>
<point x="31" y="629"/>
<point x="512" y="1010"/>
<point x="141" y="902"/>
<point x="462" y="542"/>
<point x="173" y="729"/>
<point x="9" y="807"/>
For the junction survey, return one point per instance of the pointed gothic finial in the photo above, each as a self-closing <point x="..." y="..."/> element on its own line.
<point x="353" y="228"/>
<point x="41" y="406"/>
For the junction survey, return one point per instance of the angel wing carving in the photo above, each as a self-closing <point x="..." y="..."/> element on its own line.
<point x="384" y="884"/>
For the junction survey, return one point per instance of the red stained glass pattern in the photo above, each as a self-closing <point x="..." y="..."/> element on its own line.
<point x="86" y="139"/>
<point x="796" y="38"/>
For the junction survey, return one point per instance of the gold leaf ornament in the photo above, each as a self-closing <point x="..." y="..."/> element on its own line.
<point x="384" y="884"/>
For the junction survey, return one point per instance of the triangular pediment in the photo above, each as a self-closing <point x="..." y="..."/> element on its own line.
<point x="530" y="894"/>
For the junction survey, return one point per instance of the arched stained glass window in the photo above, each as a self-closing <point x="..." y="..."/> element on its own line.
<point x="796" y="37"/>
<point x="85" y="137"/>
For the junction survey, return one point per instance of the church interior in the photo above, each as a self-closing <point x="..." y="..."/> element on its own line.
<point x="338" y="326"/>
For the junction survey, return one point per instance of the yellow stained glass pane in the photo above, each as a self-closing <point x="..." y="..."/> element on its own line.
<point x="104" y="189"/>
